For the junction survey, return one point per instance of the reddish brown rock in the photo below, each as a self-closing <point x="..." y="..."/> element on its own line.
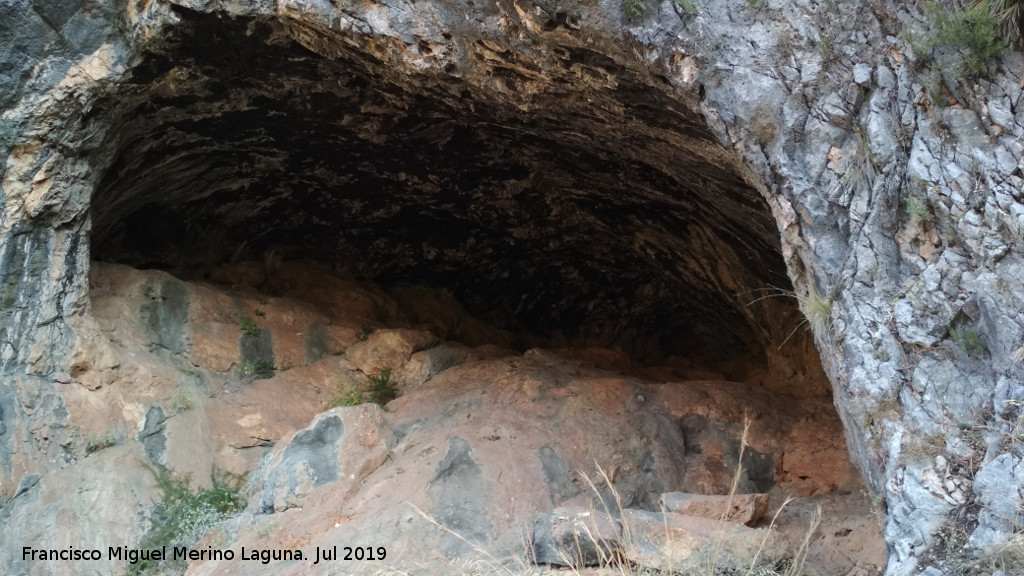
<point x="666" y="540"/>
<point x="738" y="508"/>
<point x="387" y="350"/>
<point x="483" y="440"/>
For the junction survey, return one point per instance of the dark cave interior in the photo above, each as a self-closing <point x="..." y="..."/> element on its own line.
<point x="586" y="208"/>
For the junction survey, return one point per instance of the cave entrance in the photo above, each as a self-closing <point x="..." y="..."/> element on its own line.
<point x="563" y="195"/>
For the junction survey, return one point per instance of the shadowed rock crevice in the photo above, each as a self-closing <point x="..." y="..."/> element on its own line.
<point x="585" y="205"/>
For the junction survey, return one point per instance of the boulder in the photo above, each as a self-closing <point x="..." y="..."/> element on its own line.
<point x="738" y="508"/>
<point x="341" y="446"/>
<point x="668" y="541"/>
<point x="575" y="536"/>
<point x="387" y="349"/>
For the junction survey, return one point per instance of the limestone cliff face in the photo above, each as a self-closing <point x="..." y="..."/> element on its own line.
<point x="568" y="173"/>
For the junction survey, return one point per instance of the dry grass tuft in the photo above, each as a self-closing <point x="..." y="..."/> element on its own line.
<point x="816" y="306"/>
<point x="614" y="563"/>
<point x="817" y="309"/>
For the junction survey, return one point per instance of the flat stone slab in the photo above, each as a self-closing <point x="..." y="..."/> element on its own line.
<point x="668" y="541"/>
<point x="739" y="508"/>
<point x="574" y="536"/>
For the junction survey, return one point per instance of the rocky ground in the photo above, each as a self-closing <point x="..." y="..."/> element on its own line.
<point x="237" y="373"/>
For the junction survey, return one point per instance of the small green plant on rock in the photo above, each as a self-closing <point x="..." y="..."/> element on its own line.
<point x="916" y="208"/>
<point x="101" y="442"/>
<point x="967" y="340"/>
<point x="248" y="326"/>
<point x="975" y="29"/>
<point x="353" y="397"/>
<point x="184" y="516"/>
<point x="637" y="9"/>
<point x="259" y="370"/>
<point x="382" y="389"/>
<point x="827" y="48"/>
<point x="692" y="7"/>
<point x="182" y="400"/>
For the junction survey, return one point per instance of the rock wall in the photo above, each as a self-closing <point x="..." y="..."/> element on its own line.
<point x="908" y="209"/>
<point x="901" y="210"/>
<point x="483" y="440"/>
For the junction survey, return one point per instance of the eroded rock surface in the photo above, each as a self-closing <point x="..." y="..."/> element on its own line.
<point x="575" y="177"/>
<point x="483" y="444"/>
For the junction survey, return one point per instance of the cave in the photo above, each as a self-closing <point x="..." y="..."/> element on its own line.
<point x="566" y="192"/>
<point x="592" y="208"/>
<point x="639" y="223"/>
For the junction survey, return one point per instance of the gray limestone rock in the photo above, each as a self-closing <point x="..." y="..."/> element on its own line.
<point x="338" y="449"/>
<point x="862" y="73"/>
<point x="458" y="500"/>
<point x="560" y="484"/>
<point x="308" y="461"/>
<point x="153" y="435"/>
<point x="574" y="537"/>
<point x="998" y="489"/>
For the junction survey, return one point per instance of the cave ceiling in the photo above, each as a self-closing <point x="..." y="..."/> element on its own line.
<point x="556" y="189"/>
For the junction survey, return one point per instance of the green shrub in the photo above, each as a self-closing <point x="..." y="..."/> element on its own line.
<point x="691" y="5"/>
<point x="916" y="208"/>
<point x="974" y="29"/>
<point x="248" y="326"/>
<point x="182" y="400"/>
<point x="354" y="397"/>
<point x="97" y="443"/>
<point x="1008" y="15"/>
<point x="637" y="9"/>
<point x="259" y="370"/>
<point x="184" y="516"/>
<point x="967" y="340"/>
<point x="382" y="390"/>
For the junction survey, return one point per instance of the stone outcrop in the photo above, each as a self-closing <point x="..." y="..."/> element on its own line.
<point x="688" y="544"/>
<point x="575" y="177"/>
<point x="741" y="508"/>
<point x="470" y="455"/>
